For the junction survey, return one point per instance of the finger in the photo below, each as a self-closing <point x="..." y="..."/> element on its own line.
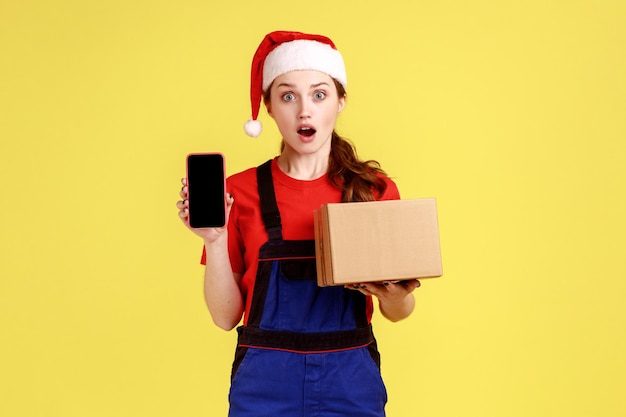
<point x="183" y="192"/>
<point x="385" y="288"/>
<point x="366" y="288"/>
<point x="229" y="205"/>
<point x="411" y="285"/>
<point x="374" y="289"/>
<point x="357" y="287"/>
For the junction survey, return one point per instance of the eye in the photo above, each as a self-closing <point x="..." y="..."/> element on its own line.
<point x="319" y="95"/>
<point x="289" y="97"/>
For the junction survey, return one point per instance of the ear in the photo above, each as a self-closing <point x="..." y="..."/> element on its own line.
<point x="268" y="107"/>
<point x="342" y="103"/>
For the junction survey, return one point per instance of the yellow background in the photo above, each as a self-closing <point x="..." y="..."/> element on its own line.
<point x="511" y="113"/>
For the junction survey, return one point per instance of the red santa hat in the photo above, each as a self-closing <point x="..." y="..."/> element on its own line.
<point x="281" y="52"/>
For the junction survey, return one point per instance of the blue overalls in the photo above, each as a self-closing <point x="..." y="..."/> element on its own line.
<point x="306" y="351"/>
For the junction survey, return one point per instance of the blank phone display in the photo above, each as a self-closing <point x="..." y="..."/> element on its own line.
<point x="206" y="185"/>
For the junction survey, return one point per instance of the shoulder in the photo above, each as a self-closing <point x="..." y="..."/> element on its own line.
<point x="391" y="190"/>
<point x="242" y="175"/>
<point x="242" y="180"/>
<point x="243" y="187"/>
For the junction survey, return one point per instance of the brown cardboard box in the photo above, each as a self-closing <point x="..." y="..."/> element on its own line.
<point x="377" y="241"/>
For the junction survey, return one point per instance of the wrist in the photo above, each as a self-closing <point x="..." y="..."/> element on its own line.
<point x="215" y="240"/>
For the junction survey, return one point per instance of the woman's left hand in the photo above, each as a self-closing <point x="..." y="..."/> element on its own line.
<point x="387" y="290"/>
<point x="395" y="297"/>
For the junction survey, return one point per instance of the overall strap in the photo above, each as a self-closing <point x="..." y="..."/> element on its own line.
<point x="269" y="208"/>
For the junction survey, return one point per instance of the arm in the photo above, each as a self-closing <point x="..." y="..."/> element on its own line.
<point x="221" y="286"/>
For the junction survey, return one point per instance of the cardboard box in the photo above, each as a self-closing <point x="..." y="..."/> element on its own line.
<point x="377" y="241"/>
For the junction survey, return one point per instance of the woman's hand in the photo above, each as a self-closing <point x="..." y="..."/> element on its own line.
<point x="395" y="298"/>
<point x="208" y="234"/>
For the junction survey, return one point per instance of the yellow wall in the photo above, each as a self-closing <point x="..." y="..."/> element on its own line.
<point x="511" y="113"/>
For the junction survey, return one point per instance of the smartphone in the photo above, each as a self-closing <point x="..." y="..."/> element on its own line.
<point x="206" y="184"/>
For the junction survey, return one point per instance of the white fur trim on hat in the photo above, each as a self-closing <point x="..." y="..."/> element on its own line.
<point x="300" y="55"/>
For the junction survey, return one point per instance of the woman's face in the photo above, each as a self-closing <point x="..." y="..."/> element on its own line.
<point x="305" y="106"/>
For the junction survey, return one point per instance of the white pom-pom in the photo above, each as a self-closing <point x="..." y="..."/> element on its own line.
<point x="253" y="128"/>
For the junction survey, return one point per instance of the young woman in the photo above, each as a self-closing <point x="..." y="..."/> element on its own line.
<point x="303" y="350"/>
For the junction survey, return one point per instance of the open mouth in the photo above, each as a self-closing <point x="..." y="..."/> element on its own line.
<point x="306" y="131"/>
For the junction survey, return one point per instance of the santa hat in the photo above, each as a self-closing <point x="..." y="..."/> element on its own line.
<point x="281" y="52"/>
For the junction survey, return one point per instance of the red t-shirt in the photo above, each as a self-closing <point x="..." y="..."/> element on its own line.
<point x="296" y="199"/>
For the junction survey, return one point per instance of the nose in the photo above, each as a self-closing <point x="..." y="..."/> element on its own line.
<point x="304" y="110"/>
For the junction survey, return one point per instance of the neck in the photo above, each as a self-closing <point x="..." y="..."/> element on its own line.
<point x="303" y="167"/>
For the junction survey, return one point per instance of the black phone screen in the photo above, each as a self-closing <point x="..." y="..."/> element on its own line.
<point x="206" y="186"/>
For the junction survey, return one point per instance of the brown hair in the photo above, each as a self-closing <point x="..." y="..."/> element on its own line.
<point x="358" y="180"/>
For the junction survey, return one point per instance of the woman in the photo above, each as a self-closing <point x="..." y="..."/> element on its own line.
<point x="303" y="350"/>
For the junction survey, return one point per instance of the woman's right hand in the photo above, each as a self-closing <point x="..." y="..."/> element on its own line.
<point x="208" y="234"/>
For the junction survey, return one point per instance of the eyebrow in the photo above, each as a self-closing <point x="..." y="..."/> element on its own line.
<point x="312" y="85"/>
